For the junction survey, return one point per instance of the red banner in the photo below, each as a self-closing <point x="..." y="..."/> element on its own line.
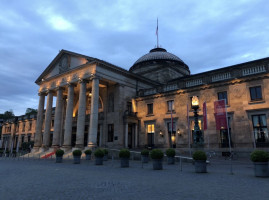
<point x="205" y="116"/>
<point x="220" y="114"/>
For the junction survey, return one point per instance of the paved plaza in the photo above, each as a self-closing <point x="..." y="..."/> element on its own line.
<point x="44" y="179"/>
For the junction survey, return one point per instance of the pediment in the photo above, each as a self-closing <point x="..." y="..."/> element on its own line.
<point x="63" y="62"/>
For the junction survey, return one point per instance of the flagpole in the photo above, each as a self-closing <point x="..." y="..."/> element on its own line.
<point x="188" y="121"/>
<point x="157" y="33"/>
<point x="229" y="138"/>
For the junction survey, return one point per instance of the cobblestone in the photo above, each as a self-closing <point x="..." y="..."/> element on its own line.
<point x="44" y="179"/>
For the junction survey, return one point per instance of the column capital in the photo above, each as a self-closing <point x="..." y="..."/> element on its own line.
<point x="69" y="84"/>
<point x="81" y="80"/>
<point x="42" y="93"/>
<point x="59" y="88"/>
<point x="94" y="76"/>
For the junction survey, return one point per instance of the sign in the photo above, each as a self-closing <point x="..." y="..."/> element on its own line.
<point x="220" y="114"/>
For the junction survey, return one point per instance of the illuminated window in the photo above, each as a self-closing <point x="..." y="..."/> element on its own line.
<point x="260" y="130"/>
<point x="199" y="123"/>
<point x="150" y="128"/>
<point x="170" y="105"/>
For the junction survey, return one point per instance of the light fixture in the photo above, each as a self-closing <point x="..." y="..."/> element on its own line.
<point x="195" y="102"/>
<point x="161" y="133"/>
<point x="179" y="133"/>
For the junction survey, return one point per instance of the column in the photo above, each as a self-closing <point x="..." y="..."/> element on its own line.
<point x="94" y="113"/>
<point x="58" y="118"/>
<point x="126" y="136"/>
<point x="46" y="135"/>
<point x="39" y="121"/>
<point x="81" y="115"/>
<point x="69" y="117"/>
<point x="136" y="135"/>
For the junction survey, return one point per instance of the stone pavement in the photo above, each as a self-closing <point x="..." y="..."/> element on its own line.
<point x="44" y="179"/>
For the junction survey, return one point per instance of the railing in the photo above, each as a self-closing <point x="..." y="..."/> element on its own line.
<point x="254" y="70"/>
<point x="220" y="77"/>
<point x="170" y="87"/>
<point x="195" y="82"/>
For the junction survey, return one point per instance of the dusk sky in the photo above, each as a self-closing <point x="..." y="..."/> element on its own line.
<point x="205" y="34"/>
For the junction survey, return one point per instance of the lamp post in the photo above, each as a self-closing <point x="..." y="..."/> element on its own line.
<point x="197" y="134"/>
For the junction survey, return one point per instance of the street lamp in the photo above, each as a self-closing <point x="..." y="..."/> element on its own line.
<point x="197" y="134"/>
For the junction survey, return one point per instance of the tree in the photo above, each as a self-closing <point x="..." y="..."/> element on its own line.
<point x="30" y="111"/>
<point x="8" y="115"/>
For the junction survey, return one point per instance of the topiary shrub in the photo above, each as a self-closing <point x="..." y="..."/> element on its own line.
<point x="199" y="155"/>
<point x="77" y="152"/>
<point x="124" y="153"/>
<point x="259" y="156"/>
<point x="105" y="151"/>
<point x="88" y="152"/>
<point x="59" y="153"/>
<point x="156" y="154"/>
<point x="170" y="152"/>
<point x="99" y="153"/>
<point x="145" y="152"/>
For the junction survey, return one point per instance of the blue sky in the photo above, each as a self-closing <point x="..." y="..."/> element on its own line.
<point x="205" y="34"/>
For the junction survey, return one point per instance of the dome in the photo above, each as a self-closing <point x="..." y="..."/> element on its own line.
<point x="158" y="54"/>
<point x="160" y="65"/>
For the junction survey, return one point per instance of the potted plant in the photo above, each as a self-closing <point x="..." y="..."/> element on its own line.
<point x="157" y="159"/>
<point x="88" y="154"/>
<point x="99" y="154"/>
<point x="59" y="155"/>
<point x="260" y="159"/>
<point x="145" y="156"/>
<point x="105" y="158"/>
<point x="200" y="158"/>
<point x="124" y="155"/>
<point x="1" y="152"/>
<point x="77" y="155"/>
<point x="170" y="153"/>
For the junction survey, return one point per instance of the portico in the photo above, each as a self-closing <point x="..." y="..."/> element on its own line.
<point x="90" y="95"/>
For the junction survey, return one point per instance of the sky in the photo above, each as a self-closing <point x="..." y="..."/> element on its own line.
<point x="205" y="34"/>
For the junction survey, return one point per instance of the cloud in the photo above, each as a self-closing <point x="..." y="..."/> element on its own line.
<point x="204" y="34"/>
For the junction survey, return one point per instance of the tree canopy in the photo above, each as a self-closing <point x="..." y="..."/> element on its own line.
<point x="30" y="111"/>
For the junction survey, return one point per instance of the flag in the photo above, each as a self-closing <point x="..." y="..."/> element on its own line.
<point x="205" y="116"/>
<point x="171" y="122"/>
<point x="220" y="114"/>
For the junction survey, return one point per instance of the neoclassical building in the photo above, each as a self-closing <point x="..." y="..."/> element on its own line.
<point x="100" y="104"/>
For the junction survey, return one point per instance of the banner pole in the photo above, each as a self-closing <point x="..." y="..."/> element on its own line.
<point x="229" y="138"/>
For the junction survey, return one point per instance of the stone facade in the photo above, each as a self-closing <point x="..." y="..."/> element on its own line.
<point x="99" y="104"/>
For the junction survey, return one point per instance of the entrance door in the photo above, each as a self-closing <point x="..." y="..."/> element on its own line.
<point x="130" y="135"/>
<point x="171" y="134"/>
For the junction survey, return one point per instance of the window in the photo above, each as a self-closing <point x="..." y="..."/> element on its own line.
<point x="150" y="108"/>
<point x="22" y="139"/>
<point x="30" y="126"/>
<point x="170" y="105"/>
<point x="150" y="133"/>
<point x="260" y="130"/>
<point x="111" y="102"/>
<point x="150" y="128"/>
<point x="110" y="133"/>
<point x="29" y="138"/>
<point x="255" y="93"/>
<point x="223" y="95"/>
<point x="23" y="127"/>
<point x="224" y="138"/>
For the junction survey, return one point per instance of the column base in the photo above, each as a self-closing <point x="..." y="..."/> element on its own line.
<point x="66" y="148"/>
<point x="35" y="149"/>
<point x="79" y="146"/>
<point x="91" y="146"/>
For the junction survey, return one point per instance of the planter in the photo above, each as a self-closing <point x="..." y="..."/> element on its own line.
<point x="105" y="158"/>
<point x="261" y="169"/>
<point x="59" y="159"/>
<point x="170" y="160"/>
<point x="76" y="159"/>
<point x="124" y="162"/>
<point x="88" y="157"/>
<point x="98" y="160"/>
<point x="144" y="158"/>
<point x="200" y="166"/>
<point x="157" y="164"/>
